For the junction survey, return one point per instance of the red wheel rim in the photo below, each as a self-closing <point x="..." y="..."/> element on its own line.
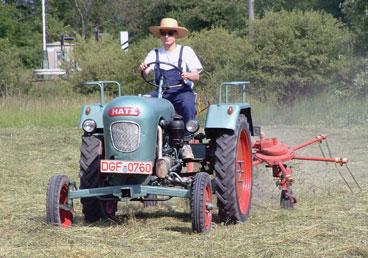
<point x="207" y="210"/>
<point x="66" y="217"/>
<point x="243" y="170"/>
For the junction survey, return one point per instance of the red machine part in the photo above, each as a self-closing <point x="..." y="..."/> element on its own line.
<point x="275" y="154"/>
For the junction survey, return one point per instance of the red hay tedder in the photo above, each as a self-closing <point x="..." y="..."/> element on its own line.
<point x="275" y="154"/>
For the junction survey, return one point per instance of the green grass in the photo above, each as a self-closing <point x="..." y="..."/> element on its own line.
<point x="327" y="222"/>
<point x="39" y="139"/>
<point x="20" y="112"/>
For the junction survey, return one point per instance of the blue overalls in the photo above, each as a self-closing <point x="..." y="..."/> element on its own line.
<point x="182" y="97"/>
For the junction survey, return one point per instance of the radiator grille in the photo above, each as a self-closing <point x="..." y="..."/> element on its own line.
<point x="125" y="136"/>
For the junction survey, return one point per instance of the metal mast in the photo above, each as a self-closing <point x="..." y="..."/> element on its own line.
<point x="44" y="50"/>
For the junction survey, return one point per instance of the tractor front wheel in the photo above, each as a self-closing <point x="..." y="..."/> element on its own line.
<point x="201" y="203"/>
<point x="233" y="168"/>
<point x="91" y="153"/>
<point x="57" y="208"/>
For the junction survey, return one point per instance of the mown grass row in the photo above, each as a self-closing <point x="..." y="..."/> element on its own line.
<point x="324" y="224"/>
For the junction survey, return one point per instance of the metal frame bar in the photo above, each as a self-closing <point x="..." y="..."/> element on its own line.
<point x="135" y="191"/>
<point x="244" y="85"/>
<point x="102" y="88"/>
<point x="340" y="161"/>
<point x="318" y="138"/>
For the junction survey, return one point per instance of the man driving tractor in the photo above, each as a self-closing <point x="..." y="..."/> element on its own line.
<point x="180" y="81"/>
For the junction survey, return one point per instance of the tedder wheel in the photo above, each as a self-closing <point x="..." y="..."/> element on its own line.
<point x="287" y="200"/>
<point x="233" y="168"/>
<point x="91" y="153"/>
<point x="201" y="203"/>
<point x="58" y="212"/>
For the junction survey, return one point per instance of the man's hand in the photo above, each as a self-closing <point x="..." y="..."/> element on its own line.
<point x="144" y="68"/>
<point x="193" y="76"/>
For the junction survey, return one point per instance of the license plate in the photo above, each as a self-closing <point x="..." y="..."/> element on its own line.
<point x="126" y="167"/>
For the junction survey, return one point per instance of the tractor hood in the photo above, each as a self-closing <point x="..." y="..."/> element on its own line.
<point x="130" y="127"/>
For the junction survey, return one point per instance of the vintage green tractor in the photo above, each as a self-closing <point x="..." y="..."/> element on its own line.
<point x="132" y="150"/>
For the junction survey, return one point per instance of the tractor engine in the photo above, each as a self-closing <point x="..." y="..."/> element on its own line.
<point x="170" y="140"/>
<point x="175" y="129"/>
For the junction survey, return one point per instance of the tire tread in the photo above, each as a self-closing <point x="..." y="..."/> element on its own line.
<point x="225" y="154"/>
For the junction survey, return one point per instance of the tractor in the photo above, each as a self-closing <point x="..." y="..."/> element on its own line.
<point x="132" y="150"/>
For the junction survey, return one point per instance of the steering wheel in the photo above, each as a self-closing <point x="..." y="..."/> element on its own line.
<point x="153" y="81"/>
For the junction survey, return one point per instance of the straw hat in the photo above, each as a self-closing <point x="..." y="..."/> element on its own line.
<point x="169" y="24"/>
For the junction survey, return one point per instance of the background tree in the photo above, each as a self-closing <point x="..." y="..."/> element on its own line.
<point x="300" y="53"/>
<point x="329" y="6"/>
<point x="21" y="30"/>
<point x="295" y="51"/>
<point x="14" y="77"/>
<point x="356" y="15"/>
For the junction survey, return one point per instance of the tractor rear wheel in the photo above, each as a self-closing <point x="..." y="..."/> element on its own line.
<point x="58" y="212"/>
<point x="201" y="203"/>
<point x="233" y="168"/>
<point x="91" y="153"/>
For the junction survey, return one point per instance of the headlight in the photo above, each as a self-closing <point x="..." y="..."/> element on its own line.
<point x="192" y="126"/>
<point x="89" y="125"/>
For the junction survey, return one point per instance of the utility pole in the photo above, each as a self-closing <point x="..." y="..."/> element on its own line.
<point x="45" y="64"/>
<point x="250" y="11"/>
<point x="251" y="17"/>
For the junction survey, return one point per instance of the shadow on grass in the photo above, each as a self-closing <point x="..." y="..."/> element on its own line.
<point x="137" y="214"/>
<point x="188" y="229"/>
<point x="182" y="230"/>
<point x="143" y="215"/>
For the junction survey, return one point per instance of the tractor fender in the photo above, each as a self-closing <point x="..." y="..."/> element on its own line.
<point x="225" y="116"/>
<point x="94" y="112"/>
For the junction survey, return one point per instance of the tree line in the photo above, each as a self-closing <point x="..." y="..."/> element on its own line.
<point x="296" y="47"/>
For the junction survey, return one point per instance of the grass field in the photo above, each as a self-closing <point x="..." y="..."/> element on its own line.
<point x="328" y="220"/>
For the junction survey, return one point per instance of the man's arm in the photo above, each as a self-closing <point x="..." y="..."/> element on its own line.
<point x="193" y="64"/>
<point x="149" y="59"/>
<point x="192" y="75"/>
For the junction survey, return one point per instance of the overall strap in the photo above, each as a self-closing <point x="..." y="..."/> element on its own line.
<point x="157" y="66"/>
<point x="180" y="61"/>
<point x="156" y="51"/>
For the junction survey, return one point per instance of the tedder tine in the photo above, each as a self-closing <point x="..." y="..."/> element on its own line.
<point x="343" y="178"/>
<point x="347" y="168"/>
<point x="322" y="151"/>
<point x="329" y="150"/>
<point x="353" y="177"/>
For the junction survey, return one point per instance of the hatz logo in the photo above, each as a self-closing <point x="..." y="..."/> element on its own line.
<point x="124" y="111"/>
